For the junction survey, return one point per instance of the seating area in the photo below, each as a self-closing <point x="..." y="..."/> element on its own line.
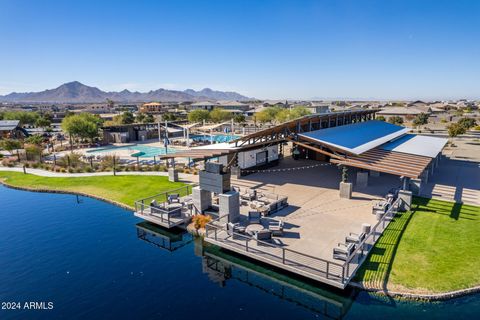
<point x="257" y="227"/>
<point x="263" y="202"/>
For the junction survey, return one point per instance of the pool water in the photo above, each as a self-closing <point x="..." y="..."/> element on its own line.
<point x="217" y="138"/>
<point x="94" y="260"/>
<point x="148" y="151"/>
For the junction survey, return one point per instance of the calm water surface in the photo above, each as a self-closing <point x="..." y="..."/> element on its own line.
<point x="96" y="261"/>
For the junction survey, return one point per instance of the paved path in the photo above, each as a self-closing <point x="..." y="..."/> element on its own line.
<point x="44" y="173"/>
<point x="455" y="180"/>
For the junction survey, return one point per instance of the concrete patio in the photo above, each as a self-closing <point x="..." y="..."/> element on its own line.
<point x="317" y="218"/>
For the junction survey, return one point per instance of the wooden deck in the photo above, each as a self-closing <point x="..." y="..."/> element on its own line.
<point x="164" y="219"/>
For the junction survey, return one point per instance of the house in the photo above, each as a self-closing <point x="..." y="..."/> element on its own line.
<point x="157" y="107"/>
<point x="12" y="129"/>
<point x="233" y="105"/>
<point x="203" y="105"/>
<point x="406" y="113"/>
<point x="276" y="103"/>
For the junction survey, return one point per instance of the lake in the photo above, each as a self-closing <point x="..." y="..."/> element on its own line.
<point x="93" y="260"/>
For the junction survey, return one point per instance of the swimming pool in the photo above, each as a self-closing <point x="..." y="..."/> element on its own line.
<point x="216" y="137"/>
<point x="148" y="151"/>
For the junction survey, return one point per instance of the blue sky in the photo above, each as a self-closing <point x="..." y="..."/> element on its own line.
<point x="267" y="49"/>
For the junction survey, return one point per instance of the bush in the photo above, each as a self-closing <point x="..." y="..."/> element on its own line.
<point x="79" y="170"/>
<point x="477" y="128"/>
<point x="27" y="165"/>
<point x="88" y="169"/>
<point x="62" y="170"/>
<point x="70" y="170"/>
<point x="35" y="165"/>
<point x="200" y="221"/>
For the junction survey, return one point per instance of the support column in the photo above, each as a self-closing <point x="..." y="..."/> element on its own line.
<point x="374" y="173"/>
<point x="405" y="197"/>
<point x="362" y="179"/>
<point x="229" y="204"/>
<point x="415" y="186"/>
<point x="202" y="199"/>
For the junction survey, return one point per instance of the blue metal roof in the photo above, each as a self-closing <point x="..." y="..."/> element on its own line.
<point x="357" y="137"/>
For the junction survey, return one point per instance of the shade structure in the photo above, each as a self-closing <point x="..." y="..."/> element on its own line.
<point x="417" y="144"/>
<point x="397" y="163"/>
<point x="355" y="138"/>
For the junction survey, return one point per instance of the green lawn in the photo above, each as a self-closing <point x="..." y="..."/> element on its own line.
<point x="123" y="189"/>
<point x="433" y="248"/>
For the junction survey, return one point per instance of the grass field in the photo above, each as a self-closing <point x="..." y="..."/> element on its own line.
<point x="433" y="248"/>
<point x="123" y="189"/>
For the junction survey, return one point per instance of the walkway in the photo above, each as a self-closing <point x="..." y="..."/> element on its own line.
<point x="44" y="173"/>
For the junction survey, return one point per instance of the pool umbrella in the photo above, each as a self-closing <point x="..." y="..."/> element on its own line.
<point x="137" y="155"/>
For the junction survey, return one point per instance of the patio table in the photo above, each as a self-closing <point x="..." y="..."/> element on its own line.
<point x="253" y="228"/>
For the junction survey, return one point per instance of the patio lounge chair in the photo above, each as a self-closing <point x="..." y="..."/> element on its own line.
<point x="343" y="251"/>
<point x="174" y="197"/>
<point x="254" y="217"/>
<point x="248" y="194"/>
<point x="263" y="235"/>
<point x="234" y="229"/>
<point x="355" y="238"/>
<point x="277" y="228"/>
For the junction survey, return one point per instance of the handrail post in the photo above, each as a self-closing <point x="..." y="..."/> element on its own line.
<point x="246" y="244"/>
<point x="143" y="206"/>
<point x="328" y="268"/>
<point x="283" y="255"/>
<point x="215" y="234"/>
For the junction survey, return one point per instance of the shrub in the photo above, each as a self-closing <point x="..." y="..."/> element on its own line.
<point x="35" y="165"/>
<point x="477" y="128"/>
<point x="79" y="170"/>
<point x="27" y="165"/>
<point x="88" y="169"/>
<point x="72" y="159"/>
<point x="63" y="170"/>
<point x="70" y="170"/>
<point x="200" y="221"/>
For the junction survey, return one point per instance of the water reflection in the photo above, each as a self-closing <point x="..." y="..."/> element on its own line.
<point x="222" y="267"/>
<point x="169" y="240"/>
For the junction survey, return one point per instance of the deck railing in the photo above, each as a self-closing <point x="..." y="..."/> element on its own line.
<point x="307" y="264"/>
<point x="362" y="250"/>
<point x="161" y="212"/>
<point x="315" y="267"/>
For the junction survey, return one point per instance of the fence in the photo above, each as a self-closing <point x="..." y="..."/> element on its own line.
<point x="161" y="211"/>
<point x="310" y="266"/>
<point x="304" y="263"/>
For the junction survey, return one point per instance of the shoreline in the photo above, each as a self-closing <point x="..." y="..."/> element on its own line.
<point x="431" y="297"/>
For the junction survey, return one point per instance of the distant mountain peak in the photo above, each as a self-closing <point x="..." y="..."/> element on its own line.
<point x="77" y="92"/>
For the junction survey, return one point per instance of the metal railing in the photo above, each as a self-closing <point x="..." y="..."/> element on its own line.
<point x="315" y="267"/>
<point x="161" y="211"/>
<point x="353" y="263"/>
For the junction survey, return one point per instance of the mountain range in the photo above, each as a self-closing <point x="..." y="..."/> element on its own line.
<point x="76" y="92"/>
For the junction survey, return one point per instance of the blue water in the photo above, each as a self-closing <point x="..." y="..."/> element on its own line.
<point x="96" y="261"/>
<point x="218" y="138"/>
<point x="148" y="151"/>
